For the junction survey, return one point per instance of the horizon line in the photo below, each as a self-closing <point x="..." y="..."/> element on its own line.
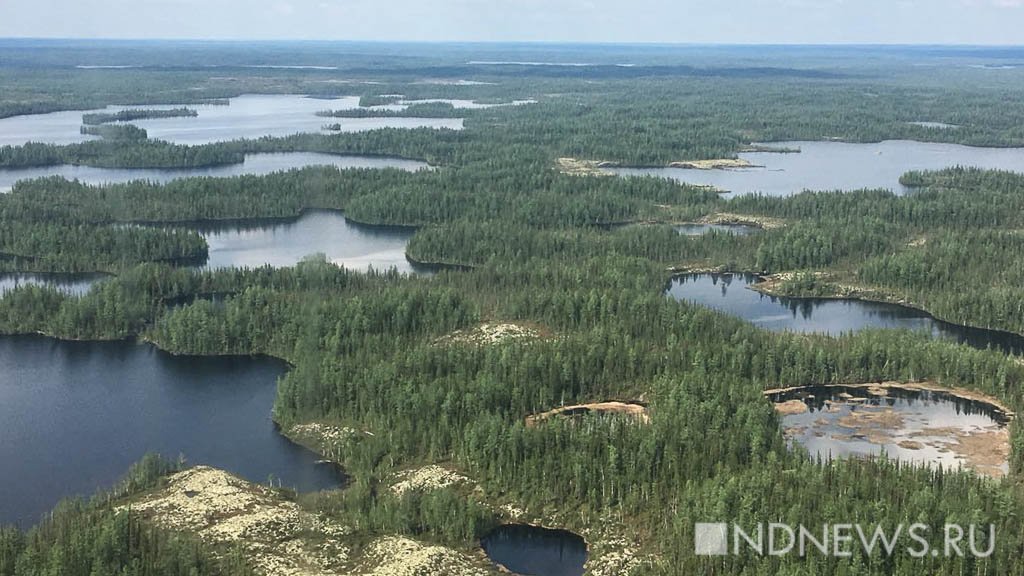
<point x="519" y="42"/>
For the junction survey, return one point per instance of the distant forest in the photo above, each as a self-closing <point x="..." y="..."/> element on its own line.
<point x="583" y="260"/>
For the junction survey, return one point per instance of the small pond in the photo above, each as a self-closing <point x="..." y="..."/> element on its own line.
<point x="918" y="426"/>
<point x="534" y="551"/>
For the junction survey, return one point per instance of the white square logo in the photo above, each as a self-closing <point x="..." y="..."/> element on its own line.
<point x="711" y="539"/>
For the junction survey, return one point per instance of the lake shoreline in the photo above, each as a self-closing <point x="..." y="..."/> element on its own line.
<point x="892" y="418"/>
<point x="684" y="270"/>
<point x="768" y="284"/>
<point x="995" y="404"/>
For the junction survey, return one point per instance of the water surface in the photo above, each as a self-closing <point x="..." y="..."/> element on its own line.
<point x="535" y="551"/>
<point x="912" y="426"/>
<point x="73" y="284"/>
<point x="285" y="243"/>
<point x="256" y="115"/>
<point x="729" y="293"/>
<point x="75" y="415"/>
<point x="51" y="128"/>
<point x="838" y="166"/>
<point x="254" y="164"/>
<point x="247" y="116"/>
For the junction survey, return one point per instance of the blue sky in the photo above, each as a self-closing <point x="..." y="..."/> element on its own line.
<point x="682" y="21"/>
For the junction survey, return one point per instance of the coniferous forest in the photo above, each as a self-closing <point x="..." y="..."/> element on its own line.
<point x="582" y="260"/>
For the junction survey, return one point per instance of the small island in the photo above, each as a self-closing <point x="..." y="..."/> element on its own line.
<point x="130" y="115"/>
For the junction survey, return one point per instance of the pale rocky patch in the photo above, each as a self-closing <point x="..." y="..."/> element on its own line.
<point x="620" y="563"/>
<point x="396" y="556"/>
<point x="611" y="552"/>
<point x="577" y="167"/>
<point x="491" y="333"/>
<point x="331" y="441"/>
<point x="431" y="477"/>
<point x="765" y="222"/>
<point x="275" y="535"/>
<point x="514" y="512"/>
<point x="324" y="433"/>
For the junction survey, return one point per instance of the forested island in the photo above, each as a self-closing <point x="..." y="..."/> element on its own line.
<point x="413" y="110"/>
<point x="133" y="114"/>
<point x="548" y="293"/>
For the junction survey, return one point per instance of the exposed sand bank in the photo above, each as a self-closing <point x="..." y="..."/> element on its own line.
<point x="576" y="167"/>
<point x="637" y="411"/>
<point x="716" y="164"/>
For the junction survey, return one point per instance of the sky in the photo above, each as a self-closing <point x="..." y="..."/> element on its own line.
<point x="662" y="21"/>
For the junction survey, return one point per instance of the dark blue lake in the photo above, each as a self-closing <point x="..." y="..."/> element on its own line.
<point x="75" y="415"/>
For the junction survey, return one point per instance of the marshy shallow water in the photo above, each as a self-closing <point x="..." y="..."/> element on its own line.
<point x="918" y="426"/>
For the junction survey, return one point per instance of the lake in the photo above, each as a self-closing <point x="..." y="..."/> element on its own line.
<point x="73" y="284"/>
<point x="247" y="116"/>
<point x="277" y="243"/>
<point x="918" y="426"/>
<point x="729" y="293"/>
<point x="75" y="415"/>
<point x="536" y="551"/>
<point x="254" y="164"/>
<point x="285" y="242"/>
<point x="838" y="166"/>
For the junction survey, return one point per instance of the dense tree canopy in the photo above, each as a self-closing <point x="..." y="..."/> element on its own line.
<point x="581" y="260"/>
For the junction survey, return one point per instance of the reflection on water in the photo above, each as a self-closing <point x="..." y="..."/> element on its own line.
<point x="729" y="293"/>
<point x="839" y="166"/>
<point x="919" y="426"/>
<point x="702" y="229"/>
<point x="535" y="551"/>
<point x="285" y="243"/>
<point x="73" y="284"/>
